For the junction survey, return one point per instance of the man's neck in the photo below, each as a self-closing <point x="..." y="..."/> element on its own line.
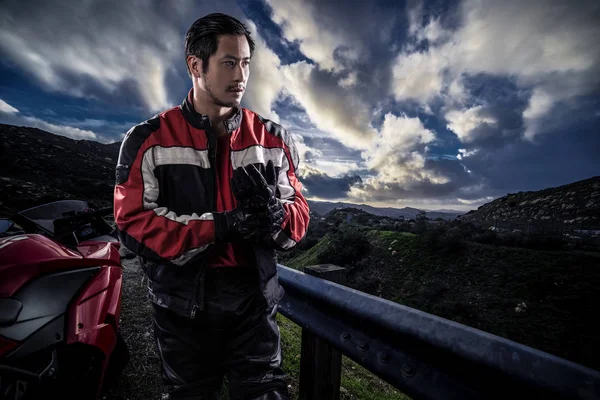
<point x="217" y="114"/>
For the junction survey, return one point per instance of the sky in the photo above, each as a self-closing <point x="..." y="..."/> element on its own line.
<point x="436" y="105"/>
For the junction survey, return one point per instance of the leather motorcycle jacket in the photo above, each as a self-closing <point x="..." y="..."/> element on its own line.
<point x="165" y="199"/>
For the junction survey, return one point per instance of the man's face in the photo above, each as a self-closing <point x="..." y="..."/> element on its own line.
<point x="228" y="71"/>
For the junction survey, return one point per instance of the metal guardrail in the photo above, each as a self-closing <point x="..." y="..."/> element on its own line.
<point x="425" y="356"/>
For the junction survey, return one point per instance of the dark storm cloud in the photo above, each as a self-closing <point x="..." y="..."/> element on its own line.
<point x="324" y="186"/>
<point x="565" y="156"/>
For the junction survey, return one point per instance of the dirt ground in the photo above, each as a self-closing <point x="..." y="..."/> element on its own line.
<point x="141" y="377"/>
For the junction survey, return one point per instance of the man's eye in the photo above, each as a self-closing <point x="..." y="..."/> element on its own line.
<point x="246" y="63"/>
<point x="228" y="63"/>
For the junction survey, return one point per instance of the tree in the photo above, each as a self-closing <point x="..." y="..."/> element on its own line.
<point x="420" y="222"/>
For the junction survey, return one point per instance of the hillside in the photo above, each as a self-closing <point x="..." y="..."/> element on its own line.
<point x="543" y="299"/>
<point x="553" y="209"/>
<point x="38" y="166"/>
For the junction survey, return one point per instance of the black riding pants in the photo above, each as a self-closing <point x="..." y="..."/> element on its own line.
<point x="236" y="335"/>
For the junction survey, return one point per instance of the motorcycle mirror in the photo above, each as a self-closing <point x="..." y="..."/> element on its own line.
<point x="5" y="225"/>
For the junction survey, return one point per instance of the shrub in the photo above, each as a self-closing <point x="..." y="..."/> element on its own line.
<point x="348" y="245"/>
<point x="443" y="237"/>
<point x="542" y="241"/>
<point x="421" y="224"/>
<point x="485" y="237"/>
<point x="452" y="240"/>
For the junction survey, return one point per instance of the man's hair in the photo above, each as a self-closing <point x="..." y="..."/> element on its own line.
<point x="202" y="39"/>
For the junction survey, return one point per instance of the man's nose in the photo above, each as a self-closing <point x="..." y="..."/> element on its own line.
<point x="240" y="73"/>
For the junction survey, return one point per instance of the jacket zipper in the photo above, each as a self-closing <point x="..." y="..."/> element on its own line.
<point x="212" y="148"/>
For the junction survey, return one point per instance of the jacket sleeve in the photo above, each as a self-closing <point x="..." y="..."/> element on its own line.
<point x="295" y="224"/>
<point x="145" y="228"/>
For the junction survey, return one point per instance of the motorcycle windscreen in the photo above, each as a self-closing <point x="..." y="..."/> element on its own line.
<point x="45" y="214"/>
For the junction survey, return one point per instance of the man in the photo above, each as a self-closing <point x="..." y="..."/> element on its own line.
<point x="205" y="194"/>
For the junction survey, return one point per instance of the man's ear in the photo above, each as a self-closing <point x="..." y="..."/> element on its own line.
<point x="195" y="66"/>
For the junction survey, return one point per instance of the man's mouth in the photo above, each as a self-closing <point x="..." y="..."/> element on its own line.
<point x="237" y="90"/>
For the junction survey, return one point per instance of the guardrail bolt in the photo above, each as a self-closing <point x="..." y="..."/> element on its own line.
<point x="363" y="346"/>
<point x="346" y="337"/>
<point x="384" y="357"/>
<point x="57" y="336"/>
<point x="408" y="371"/>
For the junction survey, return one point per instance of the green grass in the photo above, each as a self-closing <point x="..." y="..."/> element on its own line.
<point x="290" y="345"/>
<point x="309" y="257"/>
<point x="356" y="382"/>
<point x="391" y="235"/>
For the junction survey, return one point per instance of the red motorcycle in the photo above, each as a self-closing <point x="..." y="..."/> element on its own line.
<point x="60" y="302"/>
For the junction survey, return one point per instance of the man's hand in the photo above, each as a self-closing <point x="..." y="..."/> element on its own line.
<point x="241" y="224"/>
<point x="257" y="199"/>
<point x="251" y="189"/>
<point x="254" y="225"/>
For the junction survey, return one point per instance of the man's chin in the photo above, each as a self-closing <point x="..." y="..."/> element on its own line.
<point x="234" y="103"/>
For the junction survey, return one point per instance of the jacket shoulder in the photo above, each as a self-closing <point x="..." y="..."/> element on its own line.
<point x="135" y="138"/>
<point x="280" y="132"/>
<point x="138" y="134"/>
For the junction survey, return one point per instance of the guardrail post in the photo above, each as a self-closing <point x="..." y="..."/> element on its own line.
<point x="320" y="364"/>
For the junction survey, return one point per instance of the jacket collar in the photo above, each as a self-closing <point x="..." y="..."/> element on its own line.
<point x="201" y="121"/>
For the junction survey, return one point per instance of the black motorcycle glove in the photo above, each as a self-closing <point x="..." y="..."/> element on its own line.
<point x="253" y="225"/>
<point x="236" y="224"/>
<point x="256" y="197"/>
<point x="251" y="189"/>
<point x="271" y="216"/>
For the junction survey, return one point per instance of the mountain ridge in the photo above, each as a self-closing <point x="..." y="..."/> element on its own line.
<point x="323" y="207"/>
<point x="554" y="208"/>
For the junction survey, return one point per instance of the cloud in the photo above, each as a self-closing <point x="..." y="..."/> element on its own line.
<point x="465" y="122"/>
<point x="539" y="104"/>
<point x="566" y="156"/>
<point x="323" y="156"/>
<point x="6" y="108"/>
<point x="306" y="154"/>
<point x="10" y="115"/>
<point x="265" y="81"/>
<point x="63" y="130"/>
<point x="463" y="153"/>
<point x="433" y="32"/>
<point x="299" y="22"/>
<point x="344" y="83"/>
<point x="329" y="101"/>
<point x="319" y="185"/>
<point x="539" y="44"/>
<point x="399" y="137"/>
<point x="329" y="107"/>
<point x="96" y="51"/>
<point x="69" y="131"/>
<point x="107" y="131"/>
<point x="544" y="37"/>
<point x="401" y="166"/>
<point x="335" y="168"/>
<point x="349" y="80"/>
<point x="404" y="172"/>
<point x="418" y="76"/>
